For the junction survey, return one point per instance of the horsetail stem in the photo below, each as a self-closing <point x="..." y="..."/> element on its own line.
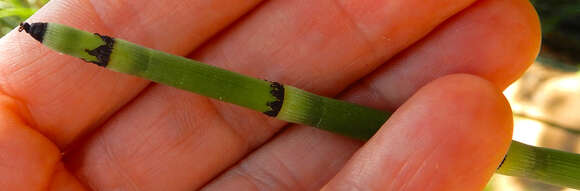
<point x="272" y="98"/>
<point x="547" y="165"/>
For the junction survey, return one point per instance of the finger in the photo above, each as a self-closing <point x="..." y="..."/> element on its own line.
<point x="27" y="159"/>
<point x="451" y="135"/>
<point x="65" y="97"/>
<point x="301" y="158"/>
<point x="319" y="45"/>
<point x="313" y="156"/>
<point x="63" y="180"/>
<point x="496" y="40"/>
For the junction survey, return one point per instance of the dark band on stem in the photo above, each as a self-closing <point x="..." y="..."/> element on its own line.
<point x="501" y="163"/>
<point x="36" y="30"/>
<point x="103" y="52"/>
<point x="275" y="106"/>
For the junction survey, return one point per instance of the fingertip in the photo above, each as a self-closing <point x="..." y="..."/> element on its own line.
<point x="496" y="39"/>
<point x="503" y="37"/>
<point x="451" y="135"/>
<point x="522" y="33"/>
<point x="468" y="98"/>
<point x="462" y="124"/>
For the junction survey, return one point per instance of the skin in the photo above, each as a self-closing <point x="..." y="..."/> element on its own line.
<point x="69" y="125"/>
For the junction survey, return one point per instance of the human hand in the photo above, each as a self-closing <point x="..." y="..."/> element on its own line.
<point x="120" y="132"/>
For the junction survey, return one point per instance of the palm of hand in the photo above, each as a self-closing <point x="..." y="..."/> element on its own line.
<point x="120" y="132"/>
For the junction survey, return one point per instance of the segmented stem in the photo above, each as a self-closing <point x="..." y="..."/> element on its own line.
<point x="273" y="99"/>
<point x="547" y="165"/>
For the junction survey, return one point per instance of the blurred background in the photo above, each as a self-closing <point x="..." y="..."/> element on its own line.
<point x="545" y="100"/>
<point x="12" y="12"/>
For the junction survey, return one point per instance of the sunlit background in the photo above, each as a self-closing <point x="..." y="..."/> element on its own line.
<point x="545" y="100"/>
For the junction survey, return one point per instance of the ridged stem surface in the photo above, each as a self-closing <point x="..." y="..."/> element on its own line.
<point x="283" y="102"/>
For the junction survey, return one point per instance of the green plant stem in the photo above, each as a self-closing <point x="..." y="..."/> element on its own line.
<point x="276" y="100"/>
<point x="333" y="115"/>
<point x="547" y="165"/>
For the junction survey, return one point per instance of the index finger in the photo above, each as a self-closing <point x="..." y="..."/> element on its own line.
<point x="66" y="99"/>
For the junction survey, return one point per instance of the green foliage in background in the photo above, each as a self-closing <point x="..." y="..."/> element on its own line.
<point x="561" y="30"/>
<point x="12" y="12"/>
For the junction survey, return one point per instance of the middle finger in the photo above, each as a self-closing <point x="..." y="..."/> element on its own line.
<point x="171" y="136"/>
